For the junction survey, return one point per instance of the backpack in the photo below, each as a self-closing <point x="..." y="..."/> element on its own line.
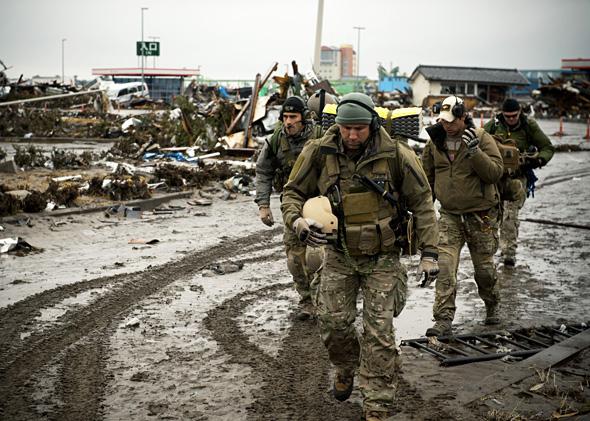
<point x="509" y="187"/>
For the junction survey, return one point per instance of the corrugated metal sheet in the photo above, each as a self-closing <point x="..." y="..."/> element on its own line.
<point x="471" y="74"/>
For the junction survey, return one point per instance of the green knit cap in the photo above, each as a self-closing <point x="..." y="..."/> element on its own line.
<point x="349" y="113"/>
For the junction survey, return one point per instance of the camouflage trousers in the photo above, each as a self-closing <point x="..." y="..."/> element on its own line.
<point x="304" y="264"/>
<point x="383" y="282"/>
<point x="510" y="224"/>
<point x="480" y="232"/>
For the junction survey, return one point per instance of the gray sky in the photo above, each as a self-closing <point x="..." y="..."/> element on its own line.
<point x="237" y="38"/>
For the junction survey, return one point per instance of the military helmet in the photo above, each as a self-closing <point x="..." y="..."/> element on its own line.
<point x="318" y="208"/>
<point x="314" y="103"/>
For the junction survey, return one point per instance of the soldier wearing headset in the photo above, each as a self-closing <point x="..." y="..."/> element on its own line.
<point x="463" y="165"/>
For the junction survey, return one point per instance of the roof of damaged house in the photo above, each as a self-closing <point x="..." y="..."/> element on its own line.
<point x="470" y="74"/>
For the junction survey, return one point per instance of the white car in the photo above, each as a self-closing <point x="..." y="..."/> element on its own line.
<point x="125" y="92"/>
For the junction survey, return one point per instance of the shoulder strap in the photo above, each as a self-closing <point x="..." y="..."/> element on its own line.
<point x="317" y="132"/>
<point x="274" y="142"/>
<point x="493" y="127"/>
<point x="399" y="175"/>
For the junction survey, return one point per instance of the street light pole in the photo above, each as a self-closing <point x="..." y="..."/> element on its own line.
<point x="63" y="40"/>
<point x="358" y="49"/>
<point x="141" y="50"/>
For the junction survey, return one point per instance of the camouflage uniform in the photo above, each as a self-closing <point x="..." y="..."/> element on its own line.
<point x="466" y="188"/>
<point x="366" y="255"/>
<point x="272" y="169"/>
<point x="526" y="134"/>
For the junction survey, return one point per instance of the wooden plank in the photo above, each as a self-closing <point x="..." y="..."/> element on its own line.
<point x="254" y="99"/>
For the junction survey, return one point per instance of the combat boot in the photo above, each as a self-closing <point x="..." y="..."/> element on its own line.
<point x="343" y="383"/>
<point x="306" y="310"/>
<point x="492" y="317"/>
<point x="441" y="327"/>
<point x="509" y="262"/>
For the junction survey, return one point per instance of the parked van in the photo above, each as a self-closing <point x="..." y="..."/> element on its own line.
<point x="125" y="92"/>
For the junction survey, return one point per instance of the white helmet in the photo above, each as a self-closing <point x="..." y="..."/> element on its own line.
<point x="319" y="209"/>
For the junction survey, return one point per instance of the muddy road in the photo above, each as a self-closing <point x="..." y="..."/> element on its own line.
<point x="201" y="325"/>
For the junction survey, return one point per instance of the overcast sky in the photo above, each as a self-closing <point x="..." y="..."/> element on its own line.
<point x="235" y="39"/>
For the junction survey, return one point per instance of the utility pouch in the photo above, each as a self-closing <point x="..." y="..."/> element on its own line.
<point x="359" y="208"/>
<point x="510" y="154"/>
<point x="387" y="234"/>
<point x="369" y="240"/>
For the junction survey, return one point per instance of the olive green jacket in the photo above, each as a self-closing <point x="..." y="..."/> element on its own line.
<point x="310" y="178"/>
<point x="466" y="184"/>
<point x="528" y="133"/>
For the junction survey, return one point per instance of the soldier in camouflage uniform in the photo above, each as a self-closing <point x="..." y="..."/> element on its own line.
<point x="463" y="165"/>
<point x="365" y="254"/>
<point x="272" y="169"/>
<point x="511" y="123"/>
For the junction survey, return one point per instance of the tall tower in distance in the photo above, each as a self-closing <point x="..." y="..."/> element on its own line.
<point x="318" y="36"/>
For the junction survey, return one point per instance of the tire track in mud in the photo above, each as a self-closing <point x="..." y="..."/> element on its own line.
<point x="562" y="178"/>
<point x="295" y="384"/>
<point x="81" y="336"/>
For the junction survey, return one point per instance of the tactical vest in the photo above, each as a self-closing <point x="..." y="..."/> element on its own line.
<point x="366" y="215"/>
<point x="283" y="167"/>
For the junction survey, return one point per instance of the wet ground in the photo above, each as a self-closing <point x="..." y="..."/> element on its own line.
<point x="96" y="328"/>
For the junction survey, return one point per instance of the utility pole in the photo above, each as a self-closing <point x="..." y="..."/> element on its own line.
<point x="154" y="39"/>
<point x="142" y="55"/>
<point x="358" y="49"/>
<point x="63" y="40"/>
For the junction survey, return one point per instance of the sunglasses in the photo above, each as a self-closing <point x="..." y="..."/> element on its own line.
<point x="511" y="116"/>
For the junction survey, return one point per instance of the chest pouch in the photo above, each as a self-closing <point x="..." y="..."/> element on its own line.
<point x="367" y="224"/>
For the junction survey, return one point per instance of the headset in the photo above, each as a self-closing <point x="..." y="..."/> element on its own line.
<point x="375" y="119"/>
<point x="303" y="110"/>
<point x="458" y="109"/>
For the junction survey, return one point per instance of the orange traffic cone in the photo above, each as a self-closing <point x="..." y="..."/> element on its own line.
<point x="560" y="132"/>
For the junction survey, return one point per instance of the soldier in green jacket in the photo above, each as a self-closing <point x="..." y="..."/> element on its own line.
<point x="272" y="169"/>
<point x="512" y="123"/>
<point x="463" y="165"/>
<point x="363" y="253"/>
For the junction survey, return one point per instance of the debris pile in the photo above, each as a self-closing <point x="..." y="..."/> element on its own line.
<point x="211" y="133"/>
<point x="562" y="97"/>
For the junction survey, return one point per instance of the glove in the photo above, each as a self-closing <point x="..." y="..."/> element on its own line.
<point x="266" y="216"/>
<point x="471" y="140"/>
<point x="532" y="163"/>
<point x="308" y="232"/>
<point x="429" y="268"/>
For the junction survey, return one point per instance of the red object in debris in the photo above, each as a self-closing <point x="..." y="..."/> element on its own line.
<point x="560" y="132"/>
<point x="587" y="137"/>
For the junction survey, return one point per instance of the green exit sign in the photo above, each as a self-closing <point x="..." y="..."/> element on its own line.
<point x="145" y="48"/>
